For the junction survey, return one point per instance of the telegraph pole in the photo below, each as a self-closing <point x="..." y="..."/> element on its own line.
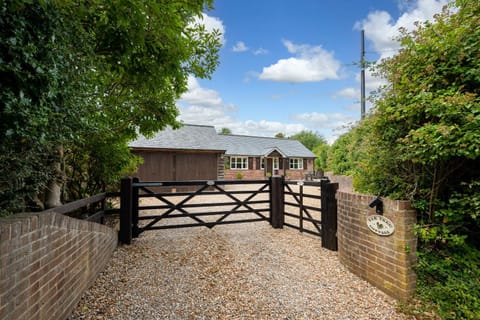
<point x="362" y="76"/>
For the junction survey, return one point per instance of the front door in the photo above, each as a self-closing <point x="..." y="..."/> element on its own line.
<point x="269" y="167"/>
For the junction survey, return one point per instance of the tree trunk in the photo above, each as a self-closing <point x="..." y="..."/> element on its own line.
<point x="53" y="194"/>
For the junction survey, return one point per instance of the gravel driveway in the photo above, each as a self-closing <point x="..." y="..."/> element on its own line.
<point x="242" y="271"/>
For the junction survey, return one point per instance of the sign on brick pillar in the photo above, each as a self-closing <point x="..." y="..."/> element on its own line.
<point x="277" y="201"/>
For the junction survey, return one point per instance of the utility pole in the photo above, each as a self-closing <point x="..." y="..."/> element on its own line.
<point x="362" y="76"/>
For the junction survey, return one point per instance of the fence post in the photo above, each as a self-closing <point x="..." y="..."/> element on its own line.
<point x="329" y="215"/>
<point x="135" y="229"/>
<point x="125" y="233"/>
<point x="277" y="201"/>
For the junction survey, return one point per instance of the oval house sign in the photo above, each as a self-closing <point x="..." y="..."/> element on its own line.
<point x="380" y="225"/>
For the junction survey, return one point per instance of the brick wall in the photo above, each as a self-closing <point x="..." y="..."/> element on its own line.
<point x="246" y="174"/>
<point x="47" y="261"/>
<point x="386" y="262"/>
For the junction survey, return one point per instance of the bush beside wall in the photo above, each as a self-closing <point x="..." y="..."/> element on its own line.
<point x="47" y="261"/>
<point x="345" y="183"/>
<point x="385" y="261"/>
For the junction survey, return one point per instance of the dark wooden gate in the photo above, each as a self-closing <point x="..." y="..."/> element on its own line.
<point x="264" y="200"/>
<point x="311" y="207"/>
<point x="192" y="202"/>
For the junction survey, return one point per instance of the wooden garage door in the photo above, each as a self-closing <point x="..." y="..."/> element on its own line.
<point x="177" y="166"/>
<point x="190" y="166"/>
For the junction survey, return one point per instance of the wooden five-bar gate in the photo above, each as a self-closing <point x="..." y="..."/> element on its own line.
<point x="214" y="202"/>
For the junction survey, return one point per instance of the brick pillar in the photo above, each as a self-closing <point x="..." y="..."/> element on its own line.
<point x="385" y="261"/>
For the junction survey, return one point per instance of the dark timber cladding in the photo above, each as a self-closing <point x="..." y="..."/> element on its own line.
<point x="177" y="165"/>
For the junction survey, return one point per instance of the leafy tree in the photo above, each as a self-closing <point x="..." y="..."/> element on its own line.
<point x="321" y="151"/>
<point x="280" y="135"/>
<point x="40" y="93"/>
<point x="423" y="144"/>
<point x="81" y="79"/>
<point x="309" y="139"/>
<point x="338" y="158"/>
<point x="225" y="131"/>
<point x="345" y="153"/>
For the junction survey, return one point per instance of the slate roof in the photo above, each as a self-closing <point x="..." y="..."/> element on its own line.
<point x="260" y="146"/>
<point x="188" y="137"/>
<point x="198" y="137"/>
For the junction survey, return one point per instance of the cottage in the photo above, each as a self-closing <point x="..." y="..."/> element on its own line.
<point x="196" y="152"/>
<point x="260" y="157"/>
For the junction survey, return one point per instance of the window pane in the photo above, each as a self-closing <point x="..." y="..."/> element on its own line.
<point x="296" y="163"/>
<point x="239" y="162"/>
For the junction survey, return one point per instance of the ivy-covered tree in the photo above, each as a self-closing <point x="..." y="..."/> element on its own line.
<point x="424" y="144"/>
<point x="78" y="80"/>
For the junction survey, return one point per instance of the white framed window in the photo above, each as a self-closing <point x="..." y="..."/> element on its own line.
<point x="262" y="163"/>
<point x="239" y="163"/>
<point x="296" y="163"/>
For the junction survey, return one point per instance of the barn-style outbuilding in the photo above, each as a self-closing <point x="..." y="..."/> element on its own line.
<point x="196" y="152"/>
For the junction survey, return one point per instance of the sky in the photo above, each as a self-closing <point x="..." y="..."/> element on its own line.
<point x="288" y="66"/>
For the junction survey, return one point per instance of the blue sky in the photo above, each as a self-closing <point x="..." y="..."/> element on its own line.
<point x="287" y="66"/>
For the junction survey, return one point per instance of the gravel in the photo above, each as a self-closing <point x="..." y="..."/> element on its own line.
<point x="240" y="271"/>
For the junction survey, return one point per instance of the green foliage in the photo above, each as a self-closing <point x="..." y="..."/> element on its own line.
<point x="280" y="135"/>
<point x="449" y="279"/>
<point x="422" y="143"/>
<point x="239" y="176"/>
<point x="87" y="77"/>
<point x="91" y="168"/>
<point x="309" y="139"/>
<point x="321" y="151"/>
<point x="344" y="154"/>
<point x="225" y="131"/>
<point x="39" y="94"/>
<point x="226" y="162"/>
<point x="457" y="220"/>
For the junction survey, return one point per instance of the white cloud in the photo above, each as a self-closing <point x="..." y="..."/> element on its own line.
<point x="260" y="51"/>
<point x="310" y="64"/>
<point x="196" y="95"/>
<point x="330" y="125"/>
<point x="201" y="105"/>
<point x="239" y="47"/>
<point x="382" y="30"/>
<point x="211" y="24"/>
<point x="349" y="93"/>
<point x="270" y="128"/>
<point x="205" y="106"/>
<point x="325" y="120"/>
